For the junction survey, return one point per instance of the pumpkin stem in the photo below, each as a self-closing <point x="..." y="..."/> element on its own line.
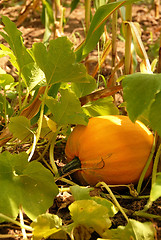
<point x="74" y="164"/>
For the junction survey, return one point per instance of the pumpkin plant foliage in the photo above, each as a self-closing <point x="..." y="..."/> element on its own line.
<point x="56" y="66"/>
<point x="29" y="185"/>
<point x="133" y="230"/>
<point x="89" y="214"/>
<point x="142" y="93"/>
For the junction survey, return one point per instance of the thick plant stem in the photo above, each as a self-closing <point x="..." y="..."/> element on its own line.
<point x="5" y="107"/>
<point x="157" y="4"/>
<point x="114" y="37"/>
<point x="146" y="167"/>
<point x="87" y="14"/>
<point x="128" y="40"/>
<point x="72" y="165"/>
<point x="41" y="115"/>
<point x="19" y="90"/>
<point x="51" y="153"/>
<point x="159" y="60"/>
<point x="154" y="173"/>
<point x="155" y="165"/>
<point x="8" y="219"/>
<point x="113" y="198"/>
<point x="22" y="223"/>
<point x="37" y="136"/>
<point x="146" y="215"/>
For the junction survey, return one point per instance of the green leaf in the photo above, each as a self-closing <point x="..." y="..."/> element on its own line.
<point x="14" y="38"/>
<point x="80" y="193"/>
<point x="73" y="5"/>
<point x="112" y="210"/>
<point x="96" y="28"/>
<point x="90" y="214"/>
<point x="48" y="19"/>
<point x="6" y="80"/>
<point x="155" y="114"/>
<point x="82" y="89"/>
<point x="20" y="127"/>
<point x="58" y="62"/>
<point x="67" y="110"/>
<point x="22" y="58"/>
<point x="155" y="192"/>
<point x="5" y="51"/>
<point x="134" y="230"/>
<point x="37" y="77"/>
<point x="29" y="185"/>
<point x="139" y="92"/>
<point x="101" y="107"/>
<point x="46" y="225"/>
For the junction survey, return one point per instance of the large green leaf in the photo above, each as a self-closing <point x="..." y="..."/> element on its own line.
<point x="101" y="107"/>
<point x="29" y="185"/>
<point x="139" y="92"/>
<point x="58" y="62"/>
<point x="134" y="230"/>
<point x="67" y="110"/>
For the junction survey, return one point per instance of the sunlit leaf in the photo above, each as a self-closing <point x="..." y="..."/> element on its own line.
<point x="155" y="192"/>
<point x="134" y="230"/>
<point x="101" y="107"/>
<point x="58" y="62"/>
<point x="67" y="110"/>
<point x="48" y="19"/>
<point x="29" y="185"/>
<point x="96" y="28"/>
<point x="14" y="38"/>
<point x="6" y="51"/>
<point x="20" y="127"/>
<point x="139" y="46"/>
<point x="51" y="124"/>
<point x="46" y="225"/>
<point x="139" y="92"/>
<point x="80" y="193"/>
<point x="37" y="77"/>
<point x="90" y="214"/>
<point x="6" y="80"/>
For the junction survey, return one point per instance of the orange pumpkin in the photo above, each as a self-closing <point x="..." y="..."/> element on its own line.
<point x="110" y="149"/>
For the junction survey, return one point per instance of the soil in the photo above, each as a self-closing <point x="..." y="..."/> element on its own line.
<point x="33" y="31"/>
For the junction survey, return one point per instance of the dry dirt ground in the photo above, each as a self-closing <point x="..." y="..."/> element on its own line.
<point x="33" y="31"/>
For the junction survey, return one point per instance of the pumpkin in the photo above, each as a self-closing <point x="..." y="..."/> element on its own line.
<point x="111" y="149"/>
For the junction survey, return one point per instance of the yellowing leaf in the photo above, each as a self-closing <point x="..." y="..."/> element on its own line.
<point x="46" y="225"/>
<point x="90" y="214"/>
<point x="51" y="124"/>
<point x="139" y="47"/>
